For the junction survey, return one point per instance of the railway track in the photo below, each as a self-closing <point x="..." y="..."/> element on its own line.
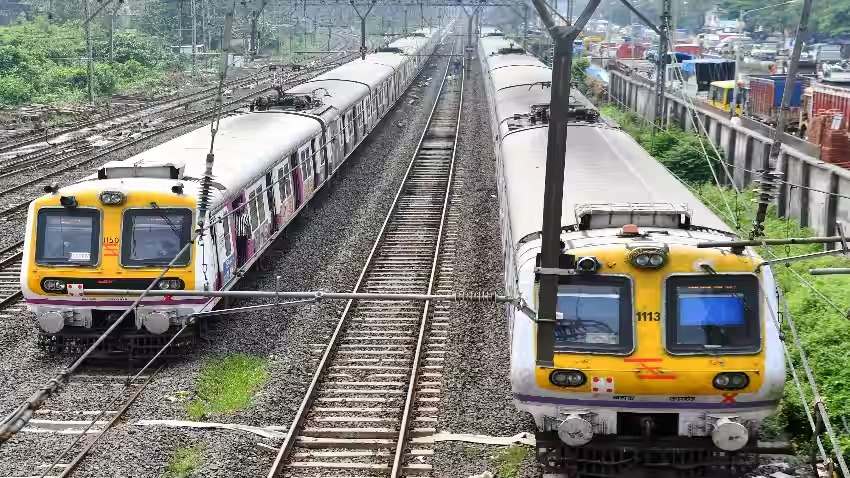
<point x="371" y="406"/>
<point x="10" y="274"/>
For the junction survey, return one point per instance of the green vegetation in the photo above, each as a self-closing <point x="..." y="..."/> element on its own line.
<point x="45" y="62"/>
<point x="184" y="462"/>
<point x="578" y="74"/>
<point x="824" y="330"/>
<point x="227" y="384"/>
<point x="509" y="460"/>
<point x="683" y="153"/>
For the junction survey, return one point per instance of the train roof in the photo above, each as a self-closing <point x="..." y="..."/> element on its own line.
<point x="235" y="142"/>
<point x="604" y="165"/>
<point x="347" y="83"/>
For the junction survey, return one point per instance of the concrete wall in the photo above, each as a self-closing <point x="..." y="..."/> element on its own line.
<point x="814" y="189"/>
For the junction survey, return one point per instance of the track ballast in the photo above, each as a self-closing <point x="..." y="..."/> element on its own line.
<point x="371" y="405"/>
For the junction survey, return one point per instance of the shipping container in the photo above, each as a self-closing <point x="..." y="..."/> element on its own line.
<point x="692" y="49"/>
<point x="766" y="97"/>
<point x="828" y="98"/>
<point x="630" y="50"/>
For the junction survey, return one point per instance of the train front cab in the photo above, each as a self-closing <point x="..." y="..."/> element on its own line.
<point x="98" y="235"/>
<point x="658" y="346"/>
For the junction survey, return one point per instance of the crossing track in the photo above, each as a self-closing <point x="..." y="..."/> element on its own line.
<point x="126" y="117"/>
<point x="371" y="405"/>
<point x="10" y="272"/>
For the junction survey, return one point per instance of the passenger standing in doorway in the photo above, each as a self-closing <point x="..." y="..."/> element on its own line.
<point x="243" y="231"/>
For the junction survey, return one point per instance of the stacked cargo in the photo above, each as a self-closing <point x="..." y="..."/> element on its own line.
<point x="827" y="98"/>
<point x="828" y="129"/>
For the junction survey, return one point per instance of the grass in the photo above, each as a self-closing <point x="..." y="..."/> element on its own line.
<point x="227" y="384"/>
<point x="509" y="460"/>
<point x="184" y="462"/>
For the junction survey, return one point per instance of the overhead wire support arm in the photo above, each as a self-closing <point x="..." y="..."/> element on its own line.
<point x="553" y="193"/>
<point x="363" y="18"/>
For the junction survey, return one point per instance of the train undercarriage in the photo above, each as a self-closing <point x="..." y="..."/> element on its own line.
<point x="667" y="457"/>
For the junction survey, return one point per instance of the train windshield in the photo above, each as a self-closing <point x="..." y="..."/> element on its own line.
<point x="709" y="313"/>
<point x="153" y="237"/>
<point x="67" y="237"/>
<point x="594" y="314"/>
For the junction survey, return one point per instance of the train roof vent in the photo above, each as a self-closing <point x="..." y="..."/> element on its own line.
<point x="162" y="171"/>
<point x="510" y="50"/>
<point x="600" y="216"/>
<point x="494" y="34"/>
<point x="389" y="49"/>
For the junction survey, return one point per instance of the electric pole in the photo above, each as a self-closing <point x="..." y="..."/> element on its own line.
<point x="770" y="179"/>
<point x="90" y="59"/>
<point x="194" y="37"/>
<point x="363" y="18"/>
<point x="553" y="189"/>
<point x="661" y="61"/>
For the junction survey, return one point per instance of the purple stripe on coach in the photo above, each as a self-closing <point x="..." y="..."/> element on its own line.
<point x="636" y="404"/>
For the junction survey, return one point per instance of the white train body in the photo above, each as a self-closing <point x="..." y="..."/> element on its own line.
<point x="268" y="166"/>
<point x="634" y="337"/>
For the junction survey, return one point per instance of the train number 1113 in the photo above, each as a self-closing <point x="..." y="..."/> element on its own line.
<point x="648" y="316"/>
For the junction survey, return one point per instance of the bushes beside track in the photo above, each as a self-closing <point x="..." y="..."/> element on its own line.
<point x="824" y="328"/>
<point x="45" y="62"/>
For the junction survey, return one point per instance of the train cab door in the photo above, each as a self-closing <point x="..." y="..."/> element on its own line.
<point x="355" y="121"/>
<point x="343" y="133"/>
<point x="318" y="160"/>
<point x="272" y="202"/>
<point x="297" y="180"/>
<point x="305" y="161"/>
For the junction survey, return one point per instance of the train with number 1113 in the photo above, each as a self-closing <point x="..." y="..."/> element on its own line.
<point x="663" y="354"/>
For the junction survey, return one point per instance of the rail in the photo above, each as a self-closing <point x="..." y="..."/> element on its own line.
<point x="368" y="364"/>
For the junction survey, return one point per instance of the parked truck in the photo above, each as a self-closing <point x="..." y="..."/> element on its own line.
<point x="765" y="99"/>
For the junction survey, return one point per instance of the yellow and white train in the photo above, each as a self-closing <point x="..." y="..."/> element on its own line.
<point x="662" y="351"/>
<point x="119" y="228"/>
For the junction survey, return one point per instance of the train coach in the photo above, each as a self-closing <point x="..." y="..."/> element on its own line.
<point x="119" y="228"/>
<point x="664" y="353"/>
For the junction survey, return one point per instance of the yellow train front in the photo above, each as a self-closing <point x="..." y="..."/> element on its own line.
<point x="109" y="234"/>
<point x="658" y="345"/>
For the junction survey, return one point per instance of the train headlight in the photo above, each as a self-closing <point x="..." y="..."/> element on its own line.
<point x="588" y="265"/>
<point x="112" y="198"/>
<point x="170" y="284"/>
<point x="567" y="378"/>
<point x="648" y="257"/>
<point x="731" y="381"/>
<point x="53" y="285"/>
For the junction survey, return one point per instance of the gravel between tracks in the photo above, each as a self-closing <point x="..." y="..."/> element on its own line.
<point x="324" y="248"/>
<point x="476" y="385"/>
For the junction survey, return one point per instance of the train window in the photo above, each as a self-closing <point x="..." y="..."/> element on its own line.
<point x="252" y="210"/>
<point x="283" y="184"/>
<point x="68" y="237"/>
<point x="261" y="207"/>
<point x="594" y="314"/>
<point x="707" y="313"/>
<point x="153" y="237"/>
